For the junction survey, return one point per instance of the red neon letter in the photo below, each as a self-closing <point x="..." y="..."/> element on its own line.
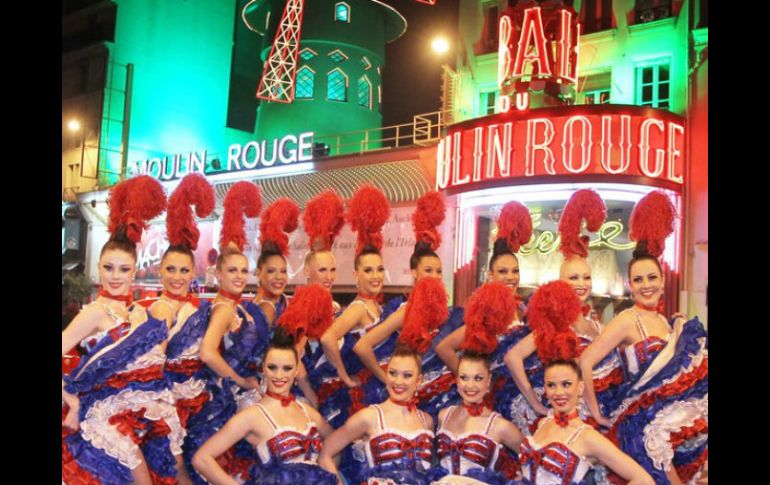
<point x="532" y="145"/>
<point x="569" y="135"/>
<point x="443" y="162"/>
<point x="624" y="146"/>
<point x="566" y="69"/>
<point x="456" y="145"/>
<point x="644" y="149"/>
<point x="532" y="25"/>
<point x="478" y="152"/>
<point x="673" y="152"/>
<point x="522" y="101"/>
<point x="505" y="30"/>
<point x="499" y="152"/>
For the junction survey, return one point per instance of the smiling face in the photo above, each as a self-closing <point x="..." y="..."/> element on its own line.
<point x="505" y="269"/>
<point x="176" y="273"/>
<point x="403" y="377"/>
<point x="234" y="274"/>
<point x="280" y="370"/>
<point x="272" y="275"/>
<point x="321" y="269"/>
<point x="429" y="266"/>
<point x="563" y="388"/>
<point x="646" y="283"/>
<point x="116" y="271"/>
<point x="577" y="273"/>
<point x="473" y="378"/>
<point x="370" y="274"/>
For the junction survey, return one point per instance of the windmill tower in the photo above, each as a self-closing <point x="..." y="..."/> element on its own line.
<point x="323" y="65"/>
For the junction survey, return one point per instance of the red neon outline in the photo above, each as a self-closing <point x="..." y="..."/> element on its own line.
<point x="565" y="48"/>
<point x="505" y="103"/>
<point x="674" y="153"/>
<point x="625" y="144"/>
<point x="504" y="31"/>
<point x="456" y="145"/>
<point x="544" y="70"/>
<point x="585" y="151"/>
<point x="548" y="160"/>
<point x="478" y="152"/>
<point x="644" y="148"/>
<point x="522" y="101"/>
<point x="499" y="152"/>
<point x="443" y="164"/>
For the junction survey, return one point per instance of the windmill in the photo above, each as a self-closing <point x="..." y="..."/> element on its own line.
<point x="280" y="68"/>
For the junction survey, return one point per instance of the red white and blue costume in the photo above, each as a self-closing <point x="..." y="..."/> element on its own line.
<point x="552" y="463"/>
<point x="126" y="405"/>
<point x="469" y="455"/>
<point x="395" y="457"/>
<point x="663" y="417"/>
<point x="290" y="457"/>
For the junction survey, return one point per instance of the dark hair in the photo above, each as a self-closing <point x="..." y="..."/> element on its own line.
<point x="571" y="363"/>
<point x="368" y="249"/>
<point x="403" y="350"/>
<point x="180" y="249"/>
<point x="269" y="249"/>
<point x="119" y="241"/>
<point x="474" y="357"/>
<point x="640" y="254"/>
<point x="281" y="340"/>
<point x="226" y="253"/>
<point x="421" y="250"/>
<point x="501" y="248"/>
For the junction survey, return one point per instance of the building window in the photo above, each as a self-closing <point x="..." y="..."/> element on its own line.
<point x="365" y="63"/>
<point x="337" y="55"/>
<point x="336" y="86"/>
<point x="342" y="12"/>
<point x="305" y="83"/>
<point x="306" y="54"/>
<point x="488" y="103"/>
<point x="595" y="88"/>
<point x="652" y="85"/>
<point x="601" y="96"/>
<point x="596" y="15"/>
<point x="364" y="92"/>
<point x="651" y="10"/>
<point x="489" y="36"/>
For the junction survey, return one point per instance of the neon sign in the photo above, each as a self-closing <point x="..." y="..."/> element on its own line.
<point x="250" y="156"/>
<point x="567" y="141"/>
<point x="548" y="241"/>
<point x="538" y="51"/>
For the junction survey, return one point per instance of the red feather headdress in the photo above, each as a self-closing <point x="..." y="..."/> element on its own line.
<point x="585" y="204"/>
<point x="309" y="312"/>
<point x="132" y="203"/>
<point x="652" y="221"/>
<point x="278" y="220"/>
<point x="368" y="211"/>
<point x="323" y="219"/>
<point x="552" y="310"/>
<point x="429" y="214"/>
<point x="489" y="311"/>
<point x="181" y="229"/>
<point x="242" y="200"/>
<point x="514" y="225"/>
<point x="425" y="311"/>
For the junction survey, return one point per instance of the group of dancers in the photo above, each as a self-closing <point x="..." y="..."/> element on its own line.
<point x="284" y="390"/>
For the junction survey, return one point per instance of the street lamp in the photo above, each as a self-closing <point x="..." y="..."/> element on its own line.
<point x="440" y="45"/>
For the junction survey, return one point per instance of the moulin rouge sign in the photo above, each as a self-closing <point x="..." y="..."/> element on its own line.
<point x="569" y="141"/>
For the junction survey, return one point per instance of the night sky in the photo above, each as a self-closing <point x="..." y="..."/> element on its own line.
<point x="412" y="74"/>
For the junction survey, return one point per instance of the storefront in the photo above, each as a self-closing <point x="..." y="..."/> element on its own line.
<point x="539" y="157"/>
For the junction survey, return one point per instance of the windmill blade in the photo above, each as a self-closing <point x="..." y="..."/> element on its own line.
<point x="277" y="83"/>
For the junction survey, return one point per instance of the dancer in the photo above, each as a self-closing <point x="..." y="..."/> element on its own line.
<point x="662" y="421"/>
<point x="127" y="429"/>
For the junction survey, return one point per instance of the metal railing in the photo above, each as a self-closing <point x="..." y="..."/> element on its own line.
<point x="424" y="129"/>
